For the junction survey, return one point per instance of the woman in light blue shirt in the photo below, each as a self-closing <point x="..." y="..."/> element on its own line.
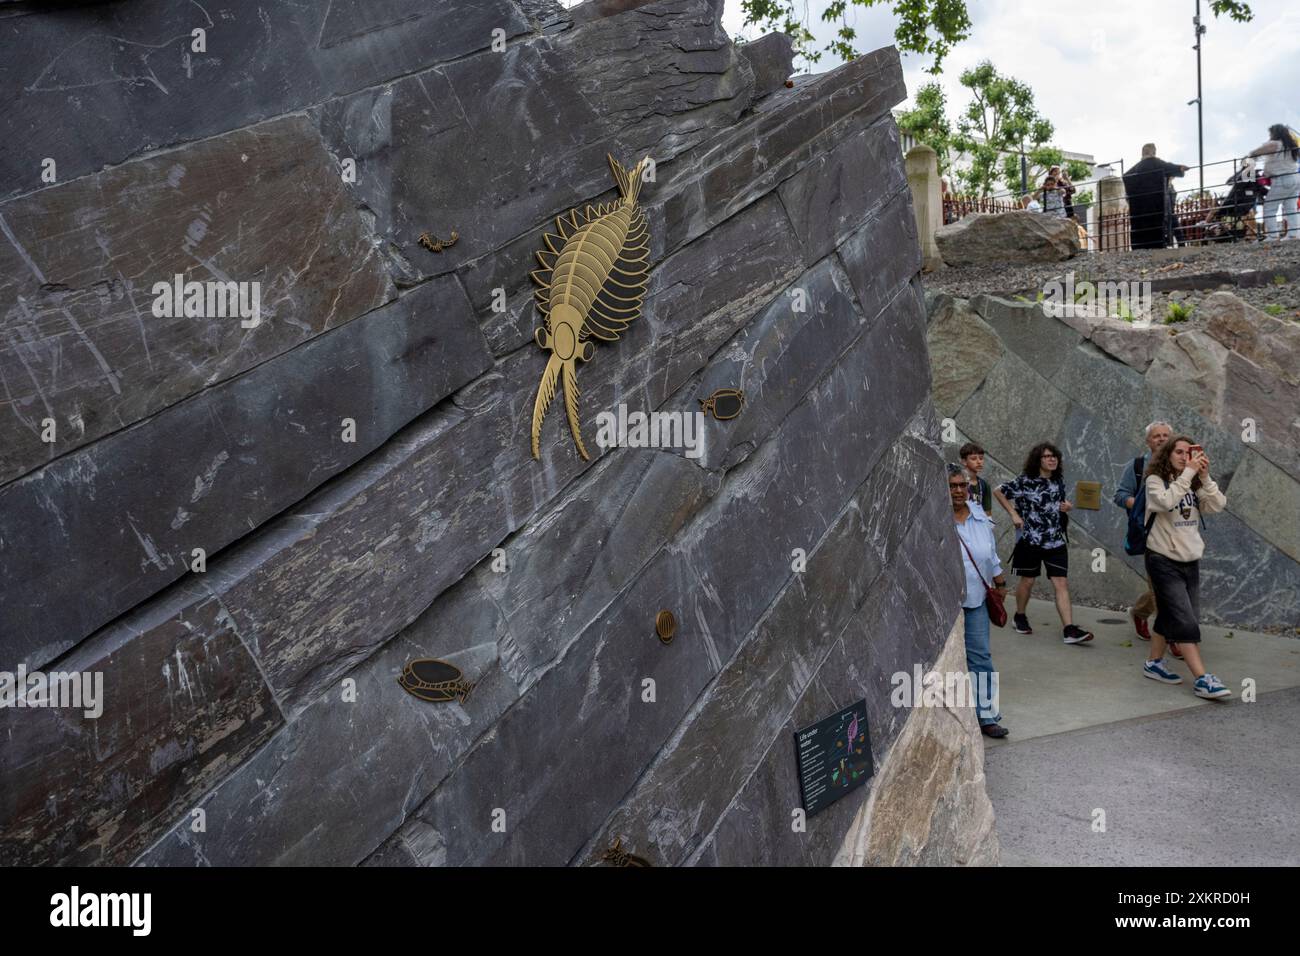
<point x="979" y="556"/>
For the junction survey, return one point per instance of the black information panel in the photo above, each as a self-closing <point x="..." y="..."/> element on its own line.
<point x="834" y="757"/>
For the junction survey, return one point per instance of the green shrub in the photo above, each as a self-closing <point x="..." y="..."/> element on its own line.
<point x="1178" y="312"/>
<point x="1274" y="309"/>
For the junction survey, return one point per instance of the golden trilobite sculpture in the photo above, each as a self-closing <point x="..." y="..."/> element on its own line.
<point x="592" y="285"/>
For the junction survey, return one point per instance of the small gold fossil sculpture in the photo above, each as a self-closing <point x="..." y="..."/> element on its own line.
<point x="434" y="680"/>
<point x="723" y="404"/>
<point x="591" y="285"/>
<point x="615" y="855"/>
<point x="434" y="244"/>
<point x="665" y="626"/>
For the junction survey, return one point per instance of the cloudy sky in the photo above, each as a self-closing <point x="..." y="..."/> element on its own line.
<point x="1114" y="74"/>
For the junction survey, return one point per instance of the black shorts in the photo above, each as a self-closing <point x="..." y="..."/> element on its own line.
<point x="1026" y="558"/>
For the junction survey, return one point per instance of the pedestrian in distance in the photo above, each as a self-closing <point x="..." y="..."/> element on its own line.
<point x="972" y="459"/>
<point x="1146" y="185"/>
<point x="1053" y="198"/>
<point x="980" y="559"/>
<point x="1038" y="507"/>
<point x="1179" y="490"/>
<point x="1067" y="189"/>
<point x="1131" y="496"/>
<point x="1281" y="152"/>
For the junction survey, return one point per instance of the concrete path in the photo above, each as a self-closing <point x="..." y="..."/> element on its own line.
<point x="1182" y="781"/>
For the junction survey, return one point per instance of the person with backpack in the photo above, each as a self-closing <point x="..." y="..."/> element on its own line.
<point x="1179" y="490"/>
<point x="972" y="459"/>
<point x="1131" y="496"/>
<point x="980" y="559"/>
<point x="1038" y="507"/>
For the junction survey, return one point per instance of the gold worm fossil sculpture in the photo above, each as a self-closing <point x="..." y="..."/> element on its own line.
<point x="591" y="285"/>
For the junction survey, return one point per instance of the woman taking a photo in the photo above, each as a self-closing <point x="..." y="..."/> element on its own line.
<point x="980" y="559"/>
<point x="1179" y="490"/>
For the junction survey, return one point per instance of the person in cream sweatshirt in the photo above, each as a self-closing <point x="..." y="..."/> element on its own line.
<point x="1179" y="490"/>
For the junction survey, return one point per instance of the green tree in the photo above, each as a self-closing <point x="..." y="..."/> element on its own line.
<point x="1039" y="159"/>
<point x="928" y="122"/>
<point x="926" y="27"/>
<point x="999" y="118"/>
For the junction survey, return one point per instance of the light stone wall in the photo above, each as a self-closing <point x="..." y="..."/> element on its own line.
<point x="1011" y="376"/>
<point x="928" y="803"/>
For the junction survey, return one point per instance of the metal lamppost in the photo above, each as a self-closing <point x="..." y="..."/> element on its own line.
<point x="1200" y="127"/>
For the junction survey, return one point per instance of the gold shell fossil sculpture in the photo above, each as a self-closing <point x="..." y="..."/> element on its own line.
<point x="592" y="285"/>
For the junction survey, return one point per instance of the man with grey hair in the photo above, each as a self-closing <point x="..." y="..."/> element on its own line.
<point x="1150" y="208"/>
<point x="1157" y="433"/>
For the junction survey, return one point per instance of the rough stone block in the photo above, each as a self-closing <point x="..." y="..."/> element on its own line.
<point x="832" y="195"/>
<point x="998" y="414"/>
<point x="1267" y="400"/>
<point x="1264" y="497"/>
<point x="673" y="804"/>
<point x="343" y="774"/>
<point x="251" y="447"/>
<point x="97" y="84"/>
<point x="771" y="58"/>
<point x="1244" y="579"/>
<point x="557" y="106"/>
<point x="1007" y="237"/>
<point x="883" y="253"/>
<point x="1041" y="340"/>
<point x="81" y="343"/>
<point x="183" y="703"/>
<point x="1189" y="367"/>
<point x="963" y="350"/>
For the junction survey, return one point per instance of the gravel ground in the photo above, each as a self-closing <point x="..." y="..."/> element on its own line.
<point x="1281" y="300"/>
<point x="1165" y="265"/>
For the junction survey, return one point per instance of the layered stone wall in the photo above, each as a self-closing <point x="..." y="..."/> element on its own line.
<point x="1010" y="376"/>
<point x="250" y="583"/>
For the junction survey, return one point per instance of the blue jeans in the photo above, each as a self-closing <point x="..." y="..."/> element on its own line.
<point x="979" y="661"/>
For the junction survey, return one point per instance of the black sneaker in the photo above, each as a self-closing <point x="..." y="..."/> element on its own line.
<point x="993" y="730"/>
<point x="1075" y="635"/>
<point x="1021" y="624"/>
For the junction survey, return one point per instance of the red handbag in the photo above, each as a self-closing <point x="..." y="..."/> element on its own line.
<point x="993" y="599"/>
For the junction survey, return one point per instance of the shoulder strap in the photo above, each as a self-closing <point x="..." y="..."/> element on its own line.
<point x="972" y="562"/>
<point x="1137" y="471"/>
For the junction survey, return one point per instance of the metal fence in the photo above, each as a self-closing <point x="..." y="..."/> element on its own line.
<point x="1113" y="229"/>
<point x="958" y="207"/>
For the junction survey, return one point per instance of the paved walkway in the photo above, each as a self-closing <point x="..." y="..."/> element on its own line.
<point x="1182" y="781"/>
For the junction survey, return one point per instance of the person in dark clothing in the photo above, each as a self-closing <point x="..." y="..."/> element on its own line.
<point x="1150" y="211"/>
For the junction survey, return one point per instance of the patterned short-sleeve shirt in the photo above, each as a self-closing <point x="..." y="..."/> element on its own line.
<point x="1038" y="500"/>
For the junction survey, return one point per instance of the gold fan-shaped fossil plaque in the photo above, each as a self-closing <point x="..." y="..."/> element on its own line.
<point x="591" y="285"/>
<point x="665" y="626"/>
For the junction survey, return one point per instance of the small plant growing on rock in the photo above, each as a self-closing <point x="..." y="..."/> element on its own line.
<point x="1124" y="313"/>
<point x="1279" y="280"/>
<point x="1274" y="309"/>
<point x="1178" y="312"/>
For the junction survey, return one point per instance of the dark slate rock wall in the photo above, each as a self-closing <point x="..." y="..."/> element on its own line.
<point x="262" y="690"/>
